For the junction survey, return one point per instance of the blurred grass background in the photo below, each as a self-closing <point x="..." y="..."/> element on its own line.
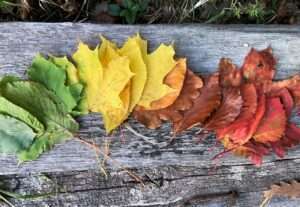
<point x="153" y="11"/>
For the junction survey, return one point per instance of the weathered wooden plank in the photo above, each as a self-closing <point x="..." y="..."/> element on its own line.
<point x="185" y="166"/>
<point x="239" y="185"/>
<point x="202" y="45"/>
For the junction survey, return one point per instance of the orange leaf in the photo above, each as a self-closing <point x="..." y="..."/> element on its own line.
<point x="190" y="91"/>
<point x="204" y="105"/>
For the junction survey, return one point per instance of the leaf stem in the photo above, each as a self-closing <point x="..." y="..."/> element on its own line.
<point x="115" y="162"/>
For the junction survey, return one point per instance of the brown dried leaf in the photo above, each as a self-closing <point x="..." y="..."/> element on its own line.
<point x="229" y="73"/>
<point x="190" y="91"/>
<point x="204" y="105"/>
<point x="290" y="190"/>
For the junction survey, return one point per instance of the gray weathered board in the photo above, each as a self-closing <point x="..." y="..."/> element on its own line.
<point x="181" y="174"/>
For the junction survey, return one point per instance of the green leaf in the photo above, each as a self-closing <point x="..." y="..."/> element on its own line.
<point x="44" y="143"/>
<point x="54" y="79"/>
<point x="8" y="108"/>
<point x="41" y="103"/>
<point x="7" y="79"/>
<point x="14" y="135"/>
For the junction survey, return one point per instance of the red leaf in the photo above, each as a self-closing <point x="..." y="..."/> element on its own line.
<point x="249" y="97"/>
<point x="241" y="130"/>
<point x="271" y="128"/>
<point x="291" y="138"/>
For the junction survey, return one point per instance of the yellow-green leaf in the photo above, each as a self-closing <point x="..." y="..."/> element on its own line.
<point x="72" y="73"/>
<point x="90" y="72"/>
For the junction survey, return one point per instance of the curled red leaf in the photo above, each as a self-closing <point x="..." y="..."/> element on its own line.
<point x="272" y="126"/>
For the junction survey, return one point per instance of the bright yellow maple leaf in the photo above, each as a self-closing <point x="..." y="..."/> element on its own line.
<point x="159" y="64"/>
<point x="90" y="71"/>
<point x="135" y="48"/>
<point x="113" y="97"/>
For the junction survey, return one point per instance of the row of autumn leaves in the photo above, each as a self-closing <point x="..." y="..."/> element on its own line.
<point x="156" y="87"/>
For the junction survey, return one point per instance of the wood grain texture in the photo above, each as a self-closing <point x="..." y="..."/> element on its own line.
<point x="181" y="174"/>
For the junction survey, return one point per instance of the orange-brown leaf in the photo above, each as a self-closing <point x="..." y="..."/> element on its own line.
<point x="259" y="66"/>
<point x="204" y="105"/>
<point x="228" y="111"/>
<point x="250" y="101"/>
<point x="272" y="126"/>
<point x="174" y="113"/>
<point x="229" y="73"/>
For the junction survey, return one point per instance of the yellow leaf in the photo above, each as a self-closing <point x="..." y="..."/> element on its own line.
<point x="90" y="71"/>
<point x="175" y="80"/>
<point x="135" y="49"/>
<point x="107" y="51"/>
<point x="143" y="44"/>
<point x="113" y="97"/>
<point x="159" y="64"/>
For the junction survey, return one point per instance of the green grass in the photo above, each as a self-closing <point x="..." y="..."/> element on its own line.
<point x="217" y="11"/>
